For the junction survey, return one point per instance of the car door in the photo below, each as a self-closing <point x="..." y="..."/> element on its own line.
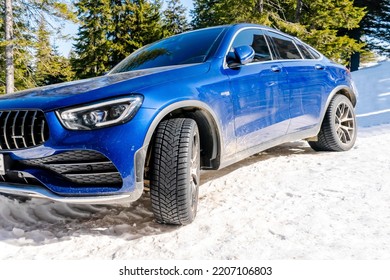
<point x="306" y="78"/>
<point x="259" y="93"/>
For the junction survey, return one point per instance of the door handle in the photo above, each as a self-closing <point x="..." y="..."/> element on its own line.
<point x="275" y="69"/>
<point x="319" y="67"/>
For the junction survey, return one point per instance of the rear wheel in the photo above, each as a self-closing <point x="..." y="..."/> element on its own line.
<point x="338" y="130"/>
<point x="174" y="184"/>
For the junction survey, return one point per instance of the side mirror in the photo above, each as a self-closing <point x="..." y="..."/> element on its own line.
<point x="244" y="55"/>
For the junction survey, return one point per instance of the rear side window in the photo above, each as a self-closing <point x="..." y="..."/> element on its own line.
<point x="306" y="54"/>
<point x="313" y="52"/>
<point x="254" y="38"/>
<point x="285" y="47"/>
<point x="307" y="51"/>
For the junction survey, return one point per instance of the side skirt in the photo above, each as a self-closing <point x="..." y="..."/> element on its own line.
<point x="309" y="133"/>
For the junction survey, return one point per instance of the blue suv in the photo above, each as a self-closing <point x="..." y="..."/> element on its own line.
<point x="199" y="100"/>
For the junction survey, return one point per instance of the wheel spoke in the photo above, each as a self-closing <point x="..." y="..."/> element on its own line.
<point x="344" y="123"/>
<point x="346" y="128"/>
<point x="347" y="131"/>
<point x="341" y="110"/>
<point x="340" y="133"/>
<point x="348" y="119"/>
<point x="194" y="170"/>
<point x="338" y="113"/>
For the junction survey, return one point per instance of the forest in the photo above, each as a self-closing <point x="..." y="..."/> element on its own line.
<point x="346" y="31"/>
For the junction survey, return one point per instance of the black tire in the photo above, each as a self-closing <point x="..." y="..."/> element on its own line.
<point x="338" y="130"/>
<point x="174" y="184"/>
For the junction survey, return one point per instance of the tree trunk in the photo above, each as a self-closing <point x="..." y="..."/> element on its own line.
<point x="355" y="62"/>
<point x="355" y="57"/>
<point x="9" y="49"/>
<point x="261" y="6"/>
<point x="298" y="11"/>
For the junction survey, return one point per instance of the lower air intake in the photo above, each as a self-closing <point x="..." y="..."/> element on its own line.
<point x="80" y="167"/>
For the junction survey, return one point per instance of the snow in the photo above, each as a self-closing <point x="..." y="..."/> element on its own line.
<point x="288" y="202"/>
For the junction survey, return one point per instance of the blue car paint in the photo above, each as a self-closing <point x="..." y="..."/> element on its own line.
<point x="261" y="103"/>
<point x="306" y="93"/>
<point x="253" y="108"/>
<point x="118" y="145"/>
<point x="85" y="91"/>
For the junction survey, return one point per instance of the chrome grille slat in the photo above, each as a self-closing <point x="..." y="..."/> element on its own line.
<point x="32" y="128"/>
<point x="20" y="129"/>
<point x="13" y="130"/>
<point x="5" y="131"/>
<point x="43" y="131"/>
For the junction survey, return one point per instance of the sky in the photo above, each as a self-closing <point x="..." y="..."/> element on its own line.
<point x="64" y="47"/>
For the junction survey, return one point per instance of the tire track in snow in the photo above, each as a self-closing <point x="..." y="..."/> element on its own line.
<point x="41" y="221"/>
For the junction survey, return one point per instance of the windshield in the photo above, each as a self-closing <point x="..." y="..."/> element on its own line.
<point x="186" y="48"/>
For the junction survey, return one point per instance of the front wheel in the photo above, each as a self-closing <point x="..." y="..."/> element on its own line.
<point x="174" y="184"/>
<point x="338" y="130"/>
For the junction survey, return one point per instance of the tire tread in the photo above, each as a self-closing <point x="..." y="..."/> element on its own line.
<point x="169" y="182"/>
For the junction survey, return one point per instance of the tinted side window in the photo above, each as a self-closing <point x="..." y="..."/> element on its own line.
<point x="313" y="52"/>
<point x="285" y="47"/>
<point x="306" y="54"/>
<point x="255" y="39"/>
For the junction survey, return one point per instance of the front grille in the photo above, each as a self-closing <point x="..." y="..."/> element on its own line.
<point x="21" y="129"/>
<point x="80" y="167"/>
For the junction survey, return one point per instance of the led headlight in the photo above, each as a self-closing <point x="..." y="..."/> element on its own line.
<point x="102" y="114"/>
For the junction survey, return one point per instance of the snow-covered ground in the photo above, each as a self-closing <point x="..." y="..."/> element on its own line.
<point x="286" y="203"/>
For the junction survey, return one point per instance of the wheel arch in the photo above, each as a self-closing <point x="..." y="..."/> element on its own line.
<point x="208" y="127"/>
<point x="349" y="93"/>
<point x="344" y="90"/>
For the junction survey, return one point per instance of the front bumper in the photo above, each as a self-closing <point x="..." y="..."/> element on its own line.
<point x="40" y="171"/>
<point x="41" y="192"/>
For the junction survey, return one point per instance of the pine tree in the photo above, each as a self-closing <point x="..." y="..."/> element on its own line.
<point x="92" y="44"/>
<point x="175" y="20"/>
<point x="317" y="21"/>
<point x="50" y="67"/>
<point x="218" y="12"/>
<point x="322" y="21"/>
<point x="375" y="25"/>
<point x="112" y="29"/>
<point x="9" y="47"/>
<point x="22" y="56"/>
<point x="19" y="48"/>
<point x="136" y="23"/>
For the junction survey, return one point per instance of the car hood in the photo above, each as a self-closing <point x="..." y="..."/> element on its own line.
<point x="83" y="91"/>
